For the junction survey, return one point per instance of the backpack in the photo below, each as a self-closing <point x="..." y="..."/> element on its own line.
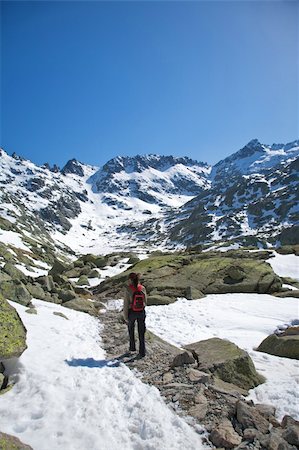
<point x="138" y="299"/>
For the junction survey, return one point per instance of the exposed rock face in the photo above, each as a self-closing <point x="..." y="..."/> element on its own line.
<point x="8" y="442"/>
<point x="285" y="344"/>
<point x="12" y="332"/>
<point x="227" y="361"/>
<point x="192" y="275"/>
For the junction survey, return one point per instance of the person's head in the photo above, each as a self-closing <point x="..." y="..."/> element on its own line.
<point x="134" y="278"/>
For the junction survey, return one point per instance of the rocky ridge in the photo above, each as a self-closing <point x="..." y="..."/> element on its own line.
<point x="248" y="198"/>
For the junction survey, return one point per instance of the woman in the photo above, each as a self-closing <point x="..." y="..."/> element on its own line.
<point x="134" y="309"/>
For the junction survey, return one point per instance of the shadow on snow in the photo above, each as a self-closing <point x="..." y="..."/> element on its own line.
<point x="91" y="363"/>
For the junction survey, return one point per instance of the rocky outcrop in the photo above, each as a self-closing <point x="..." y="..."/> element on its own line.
<point x="12" y="332"/>
<point x="226" y="361"/>
<point x="285" y="344"/>
<point x="191" y="275"/>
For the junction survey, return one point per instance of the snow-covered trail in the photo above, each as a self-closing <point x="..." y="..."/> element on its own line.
<point x="69" y="397"/>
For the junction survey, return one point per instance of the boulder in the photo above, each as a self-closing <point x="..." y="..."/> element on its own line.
<point x="58" y="268"/>
<point x="200" y="409"/>
<point x="8" y="442"/>
<point x="73" y="273"/>
<point x="12" y="332"/>
<point x="36" y="290"/>
<point x="225" y="436"/>
<point x="182" y="359"/>
<point x="191" y="293"/>
<point x="83" y="281"/>
<point x="81" y="304"/>
<point x="93" y="274"/>
<point x="14" y="272"/>
<point x="286" y="346"/>
<point x="66" y="295"/>
<point x="226" y="361"/>
<point x="16" y="291"/>
<point x="249" y="417"/>
<point x="159" y="300"/>
<point x="46" y="282"/>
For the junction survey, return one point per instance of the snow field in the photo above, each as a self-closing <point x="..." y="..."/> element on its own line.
<point x="68" y="396"/>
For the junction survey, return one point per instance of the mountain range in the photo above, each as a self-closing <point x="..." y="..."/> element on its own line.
<point x="153" y="202"/>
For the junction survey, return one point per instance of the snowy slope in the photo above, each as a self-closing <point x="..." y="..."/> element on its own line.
<point x="69" y="397"/>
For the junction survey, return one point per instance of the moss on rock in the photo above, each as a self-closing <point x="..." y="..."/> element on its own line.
<point x="226" y="361"/>
<point x="286" y="346"/>
<point x="12" y="332"/>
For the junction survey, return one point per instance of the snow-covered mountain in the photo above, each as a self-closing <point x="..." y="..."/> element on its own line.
<point x="253" y="198"/>
<point x="91" y="209"/>
<point x="152" y="201"/>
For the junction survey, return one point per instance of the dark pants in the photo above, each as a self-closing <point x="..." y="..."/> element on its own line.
<point x="140" y="317"/>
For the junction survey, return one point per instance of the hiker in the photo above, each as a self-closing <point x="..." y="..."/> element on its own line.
<point x="134" y="309"/>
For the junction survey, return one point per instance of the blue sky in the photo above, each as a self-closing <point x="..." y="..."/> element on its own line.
<point x="92" y="80"/>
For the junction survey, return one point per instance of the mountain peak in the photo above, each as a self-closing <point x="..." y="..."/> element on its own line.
<point x="73" y="166"/>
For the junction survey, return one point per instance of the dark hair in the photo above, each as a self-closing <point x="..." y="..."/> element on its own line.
<point x="135" y="278"/>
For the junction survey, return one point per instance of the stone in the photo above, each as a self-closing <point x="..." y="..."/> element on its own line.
<point x="14" y="272"/>
<point x="167" y="377"/>
<point x="291" y="435"/>
<point x="58" y="268"/>
<point x="266" y="410"/>
<point x="192" y="293"/>
<point x="83" y="280"/>
<point x="159" y="300"/>
<point x="249" y="417"/>
<point x="36" y="291"/>
<point x="235" y="273"/>
<point x="31" y="311"/>
<point x="200" y="409"/>
<point x="82" y="291"/>
<point x="182" y="358"/>
<point x="46" y="282"/>
<point x="60" y="314"/>
<point x="196" y="376"/>
<point x="225" y="435"/>
<point x="8" y="442"/>
<point x="12" y="332"/>
<point x="250" y="434"/>
<point x="285" y="346"/>
<point x="16" y="291"/>
<point x="66" y="295"/>
<point x="288" y="421"/>
<point x="226" y="361"/>
<point x="81" y="304"/>
<point x="93" y="274"/>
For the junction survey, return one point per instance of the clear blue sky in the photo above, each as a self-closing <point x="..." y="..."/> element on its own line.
<point x="93" y="80"/>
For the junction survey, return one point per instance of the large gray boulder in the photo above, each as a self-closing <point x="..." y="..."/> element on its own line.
<point x="285" y="344"/>
<point x="226" y="361"/>
<point x="81" y="304"/>
<point x="12" y="332"/>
